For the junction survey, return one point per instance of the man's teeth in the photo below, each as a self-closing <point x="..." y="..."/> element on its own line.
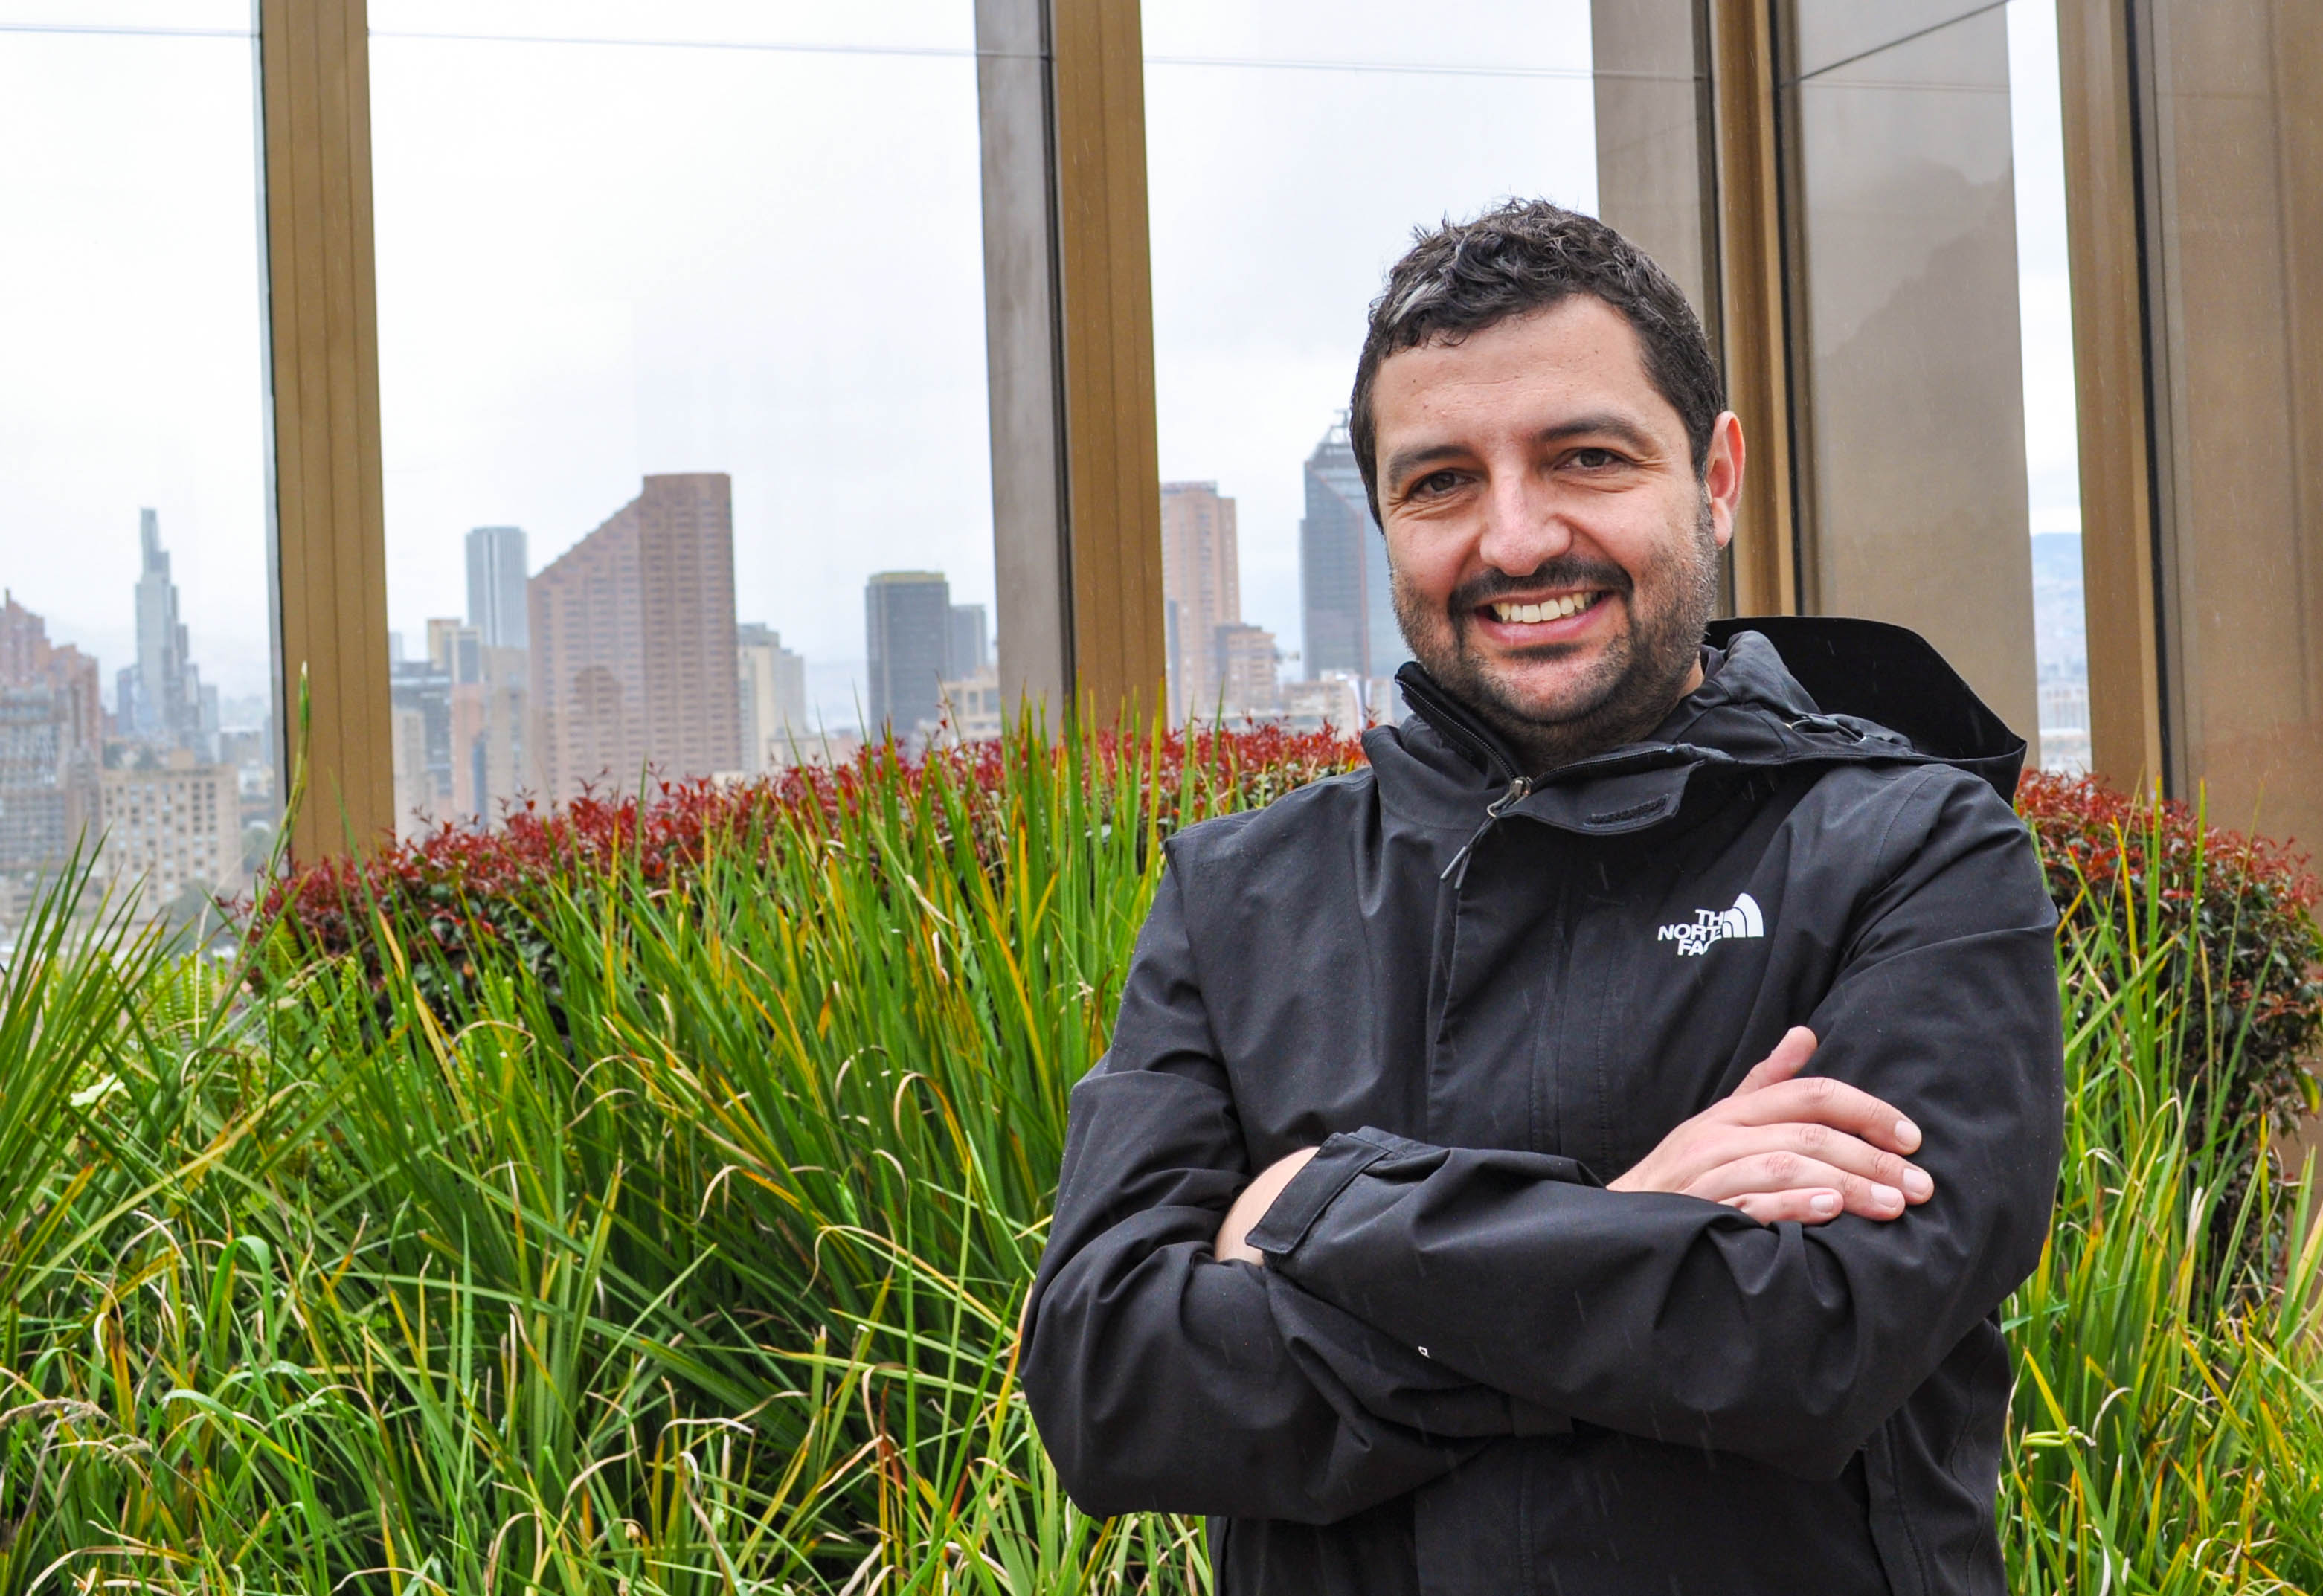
<point x="1554" y="610"/>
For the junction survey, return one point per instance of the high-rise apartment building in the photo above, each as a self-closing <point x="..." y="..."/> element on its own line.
<point x="171" y="822"/>
<point x="51" y="737"/>
<point x="772" y="688"/>
<point x="28" y="659"/>
<point x="419" y="709"/>
<point x="484" y="689"/>
<point x="1347" y="603"/>
<point x="161" y="698"/>
<point x="907" y="635"/>
<point x="1201" y="579"/>
<point x="496" y="578"/>
<point x="1243" y="659"/>
<point x="631" y="634"/>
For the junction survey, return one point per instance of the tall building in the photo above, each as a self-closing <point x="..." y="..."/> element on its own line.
<point x="631" y="635"/>
<point x="1242" y="658"/>
<point x="1348" y="606"/>
<point x="496" y="577"/>
<point x="171" y="822"/>
<point x="1201" y="578"/>
<point x="159" y="699"/>
<point x="28" y="659"/>
<point x="51" y="737"/>
<point x="773" y="694"/>
<point x="419" y="709"/>
<point x="907" y="632"/>
<point x="484" y="689"/>
<point x="971" y="641"/>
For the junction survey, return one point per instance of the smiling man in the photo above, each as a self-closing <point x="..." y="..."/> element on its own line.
<point x="1584" y="1151"/>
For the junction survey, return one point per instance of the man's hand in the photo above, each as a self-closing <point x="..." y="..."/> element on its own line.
<point x="1251" y="1206"/>
<point x="1782" y="1148"/>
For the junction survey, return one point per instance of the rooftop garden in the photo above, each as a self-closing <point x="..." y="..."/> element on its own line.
<point x="641" y="1197"/>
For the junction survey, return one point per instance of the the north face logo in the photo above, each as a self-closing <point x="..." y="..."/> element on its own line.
<point x="1715" y="925"/>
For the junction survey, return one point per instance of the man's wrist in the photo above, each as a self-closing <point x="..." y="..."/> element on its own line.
<point x="1251" y="1206"/>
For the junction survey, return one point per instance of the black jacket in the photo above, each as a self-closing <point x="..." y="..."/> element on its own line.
<point x="1467" y="1367"/>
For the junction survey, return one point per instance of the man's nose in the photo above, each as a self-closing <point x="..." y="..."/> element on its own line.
<point x="1522" y="527"/>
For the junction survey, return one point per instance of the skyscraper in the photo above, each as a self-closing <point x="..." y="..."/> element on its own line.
<point x="907" y="634"/>
<point x="773" y="693"/>
<point x="1201" y="574"/>
<point x="496" y="576"/>
<point x="159" y="698"/>
<point x="51" y="737"/>
<point x="632" y="642"/>
<point x="1243" y="661"/>
<point x="1348" y="606"/>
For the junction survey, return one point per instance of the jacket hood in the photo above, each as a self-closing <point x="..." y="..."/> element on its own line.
<point x="1781" y="691"/>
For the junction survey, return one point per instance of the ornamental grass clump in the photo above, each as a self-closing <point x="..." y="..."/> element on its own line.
<point x="643" y="1198"/>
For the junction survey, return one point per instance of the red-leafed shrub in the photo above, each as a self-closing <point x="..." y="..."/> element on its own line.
<point x="2249" y="969"/>
<point x="457" y="885"/>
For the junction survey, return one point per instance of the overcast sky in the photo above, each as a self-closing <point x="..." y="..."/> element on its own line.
<point x="691" y="252"/>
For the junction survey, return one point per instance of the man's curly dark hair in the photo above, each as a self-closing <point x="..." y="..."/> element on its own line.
<point x="1519" y="257"/>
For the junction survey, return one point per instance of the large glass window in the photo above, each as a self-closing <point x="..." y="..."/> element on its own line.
<point x="682" y="373"/>
<point x="2052" y="472"/>
<point x="1291" y="149"/>
<point x="135" y="672"/>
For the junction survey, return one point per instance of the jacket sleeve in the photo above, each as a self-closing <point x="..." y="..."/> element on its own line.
<point x="1162" y="1379"/>
<point x="1679" y="1319"/>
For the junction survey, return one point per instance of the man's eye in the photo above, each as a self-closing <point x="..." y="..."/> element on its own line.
<point x="1436" y="482"/>
<point x="1595" y="459"/>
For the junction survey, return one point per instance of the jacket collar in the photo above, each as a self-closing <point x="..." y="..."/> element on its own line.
<point x="1880" y="694"/>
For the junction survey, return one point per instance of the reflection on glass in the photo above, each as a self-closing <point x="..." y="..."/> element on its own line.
<point x="1908" y="357"/>
<point x="681" y="362"/>
<point x="2237" y="231"/>
<point x="1290" y="150"/>
<point x="135" y="676"/>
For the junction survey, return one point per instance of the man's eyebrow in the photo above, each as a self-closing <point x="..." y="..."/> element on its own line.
<point x="1407" y="461"/>
<point x="1608" y="423"/>
<point x="1604" y="424"/>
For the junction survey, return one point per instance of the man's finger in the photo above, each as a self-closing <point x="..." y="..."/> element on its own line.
<point x="1838" y="1149"/>
<point x="1776" y="1172"/>
<point x="1790" y="1055"/>
<point x="1819" y="1207"/>
<point x="1821" y="1100"/>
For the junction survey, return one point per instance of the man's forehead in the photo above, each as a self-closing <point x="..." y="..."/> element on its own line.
<point x="1578" y="355"/>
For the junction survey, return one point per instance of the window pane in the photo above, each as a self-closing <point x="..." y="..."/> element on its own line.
<point x="681" y="345"/>
<point x="1908" y="367"/>
<point x="137" y="677"/>
<point x="1290" y="150"/>
<point x="2053" y="469"/>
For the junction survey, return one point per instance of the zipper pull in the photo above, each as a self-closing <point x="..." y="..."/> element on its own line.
<point x="1518" y="789"/>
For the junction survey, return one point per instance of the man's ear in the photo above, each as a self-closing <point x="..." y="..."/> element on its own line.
<point x="1722" y="474"/>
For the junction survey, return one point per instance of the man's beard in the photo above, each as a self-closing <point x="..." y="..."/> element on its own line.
<point x="1634" y="684"/>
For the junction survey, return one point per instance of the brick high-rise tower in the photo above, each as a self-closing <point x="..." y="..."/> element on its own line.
<point x="632" y="643"/>
<point x="1201" y="577"/>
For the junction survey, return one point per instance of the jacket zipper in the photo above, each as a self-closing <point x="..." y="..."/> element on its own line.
<point x="1518" y="786"/>
<point x="1453" y="722"/>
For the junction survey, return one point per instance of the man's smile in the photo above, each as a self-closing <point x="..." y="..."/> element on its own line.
<point x="1551" y="618"/>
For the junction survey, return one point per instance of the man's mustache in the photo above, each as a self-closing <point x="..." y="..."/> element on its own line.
<point x="1564" y="573"/>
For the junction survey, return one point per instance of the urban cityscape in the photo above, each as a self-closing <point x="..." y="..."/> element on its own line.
<point x="623" y="657"/>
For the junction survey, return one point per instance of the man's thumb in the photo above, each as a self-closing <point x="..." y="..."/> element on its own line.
<point x="1790" y="1055"/>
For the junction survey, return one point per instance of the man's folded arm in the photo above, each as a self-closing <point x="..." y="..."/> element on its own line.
<point x="1679" y="1319"/>
<point x="1161" y="1379"/>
